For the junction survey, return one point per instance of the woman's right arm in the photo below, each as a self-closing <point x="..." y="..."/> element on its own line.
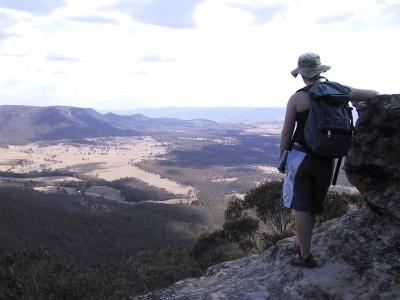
<point x="288" y="125"/>
<point x="361" y="94"/>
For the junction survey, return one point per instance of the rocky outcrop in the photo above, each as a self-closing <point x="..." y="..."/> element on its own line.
<point x="358" y="254"/>
<point x="373" y="165"/>
<point x="359" y="258"/>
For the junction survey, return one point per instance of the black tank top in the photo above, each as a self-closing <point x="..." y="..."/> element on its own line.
<point x="301" y="118"/>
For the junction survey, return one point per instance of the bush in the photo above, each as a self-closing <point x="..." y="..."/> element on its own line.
<point x="243" y="232"/>
<point x="266" y="200"/>
<point x="337" y="204"/>
<point x="212" y="248"/>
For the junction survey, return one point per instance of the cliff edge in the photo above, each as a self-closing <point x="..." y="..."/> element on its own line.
<point x="358" y="254"/>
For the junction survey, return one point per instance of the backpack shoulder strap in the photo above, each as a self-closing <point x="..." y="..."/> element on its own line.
<point x="336" y="174"/>
<point x="308" y="87"/>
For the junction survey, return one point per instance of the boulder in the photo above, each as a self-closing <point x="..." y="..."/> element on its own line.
<point x="373" y="164"/>
<point x="358" y="257"/>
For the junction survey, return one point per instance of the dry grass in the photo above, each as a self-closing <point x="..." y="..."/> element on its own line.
<point x="266" y="129"/>
<point x="107" y="158"/>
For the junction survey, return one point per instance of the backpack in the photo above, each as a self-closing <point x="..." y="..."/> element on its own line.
<point x="329" y="125"/>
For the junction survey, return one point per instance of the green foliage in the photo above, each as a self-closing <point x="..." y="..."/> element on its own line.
<point x="212" y="248"/>
<point x="35" y="174"/>
<point x="93" y="255"/>
<point x="266" y="200"/>
<point x="337" y="204"/>
<point x="208" y="241"/>
<point x="29" y="219"/>
<point x="242" y="231"/>
<point x="235" y="209"/>
<point x="40" y="274"/>
<point x="134" y="190"/>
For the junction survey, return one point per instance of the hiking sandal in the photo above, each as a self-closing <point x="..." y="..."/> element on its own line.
<point x="309" y="262"/>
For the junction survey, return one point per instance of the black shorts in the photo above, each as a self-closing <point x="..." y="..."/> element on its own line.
<point x="307" y="180"/>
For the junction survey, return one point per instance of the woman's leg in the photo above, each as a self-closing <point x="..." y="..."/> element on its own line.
<point x="304" y="222"/>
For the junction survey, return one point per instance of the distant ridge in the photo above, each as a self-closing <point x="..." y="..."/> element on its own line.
<point x="218" y="114"/>
<point x="25" y="124"/>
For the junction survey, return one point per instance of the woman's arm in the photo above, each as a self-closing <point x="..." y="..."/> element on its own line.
<point x="361" y="94"/>
<point x="288" y="125"/>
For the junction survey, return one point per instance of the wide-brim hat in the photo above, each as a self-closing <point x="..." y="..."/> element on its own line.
<point x="309" y="65"/>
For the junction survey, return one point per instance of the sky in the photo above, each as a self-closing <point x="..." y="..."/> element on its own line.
<point x="126" y="54"/>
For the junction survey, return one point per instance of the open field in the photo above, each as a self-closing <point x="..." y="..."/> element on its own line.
<point x="266" y="129"/>
<point x="105" y="158"/>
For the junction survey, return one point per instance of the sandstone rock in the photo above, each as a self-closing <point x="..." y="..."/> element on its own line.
<point x="358" y="258"/>
<point x="373" y="165"/>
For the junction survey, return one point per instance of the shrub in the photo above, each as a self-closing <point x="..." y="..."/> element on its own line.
<point x="266" y="200"/>
<point x="337" y="204"/>
<point x="242" y="231"/>
<point x="212" y="248"/>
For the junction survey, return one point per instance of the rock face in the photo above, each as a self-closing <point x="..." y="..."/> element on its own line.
<point x="373" y="165"/>
<point x="358" y="258"/>
<point x="358" y="255"/>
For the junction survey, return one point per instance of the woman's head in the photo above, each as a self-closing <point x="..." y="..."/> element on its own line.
<point x="309" y="66"/>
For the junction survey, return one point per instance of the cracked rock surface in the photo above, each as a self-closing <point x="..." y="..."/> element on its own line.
<point x="358" y="257"/>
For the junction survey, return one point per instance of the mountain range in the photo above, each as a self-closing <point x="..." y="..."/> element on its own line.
<point x="24" y="124"/>
<point x="218" y="114"/>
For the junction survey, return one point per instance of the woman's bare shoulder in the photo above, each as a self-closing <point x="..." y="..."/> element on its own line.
<point x="300" y="101"/>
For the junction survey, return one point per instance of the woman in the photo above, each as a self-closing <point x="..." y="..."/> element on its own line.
<point x="307" y="177"/>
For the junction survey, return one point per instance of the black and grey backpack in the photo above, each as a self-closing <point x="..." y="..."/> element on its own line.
<point x="329" y="125"/>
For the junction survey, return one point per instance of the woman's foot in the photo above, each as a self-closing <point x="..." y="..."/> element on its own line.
<point x="308" y="262"/>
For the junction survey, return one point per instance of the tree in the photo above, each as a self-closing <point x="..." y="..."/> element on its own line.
<point x="243" y="230"/>
<point x="266" y="200"/>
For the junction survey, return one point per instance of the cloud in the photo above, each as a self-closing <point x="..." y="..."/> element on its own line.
<point x="61" y="58"/>
<point x="393" y="14"/>
<point x="156" y="58"/>
<point x="5" y="23"/>
<point x="343" y="17"/>
<point x="94" y="19"/>
<point x="11" y="83"/>
<point x="262" y="14"/>
<point x="171" y="13"/>
<point x="14" y="55"/>
<point x="4" y="35"/>
<point x="37" y="7"/>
